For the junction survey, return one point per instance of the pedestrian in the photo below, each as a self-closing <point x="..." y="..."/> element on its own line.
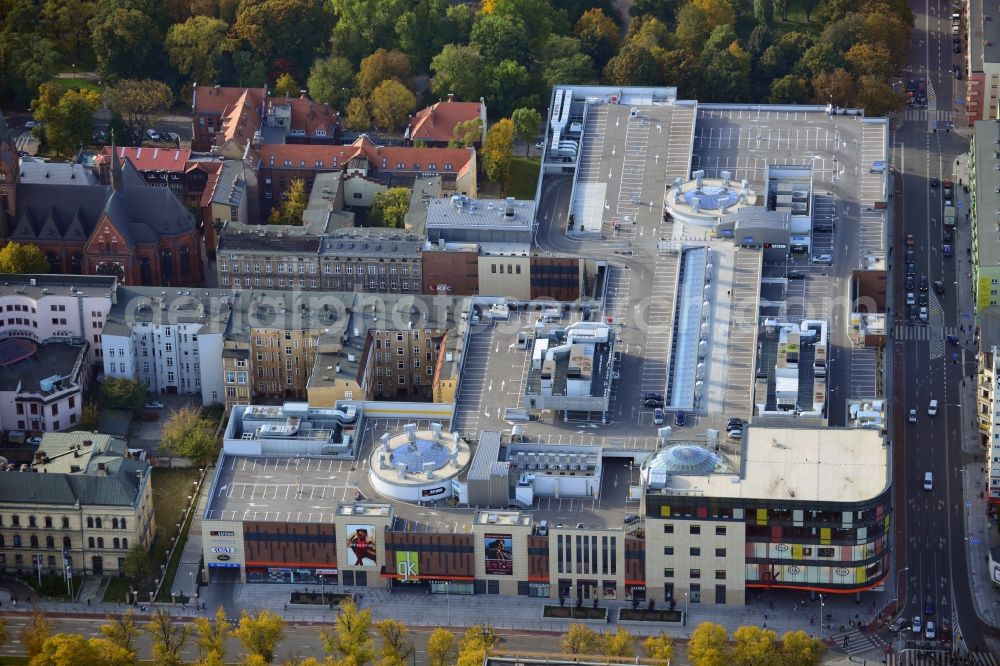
<point x="765" y="616"/>
<point x="811" y="620"/>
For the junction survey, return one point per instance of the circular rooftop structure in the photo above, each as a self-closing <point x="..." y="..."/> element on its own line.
<point x="417" y="465"/>
<point x="13" y="350"/>
<point x="682" y="460"/>
<point x="703" y="201"/>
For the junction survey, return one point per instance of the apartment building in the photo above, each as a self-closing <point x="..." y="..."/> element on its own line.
<point x="86" y="506"/>
<point x="984" y="190"/>
<point x="44" y="308"/>
<point x="988" y="397"/>
<point x="172" y="341"/>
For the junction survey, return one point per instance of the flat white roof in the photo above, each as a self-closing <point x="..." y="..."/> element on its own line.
<point x="806" y="464"/>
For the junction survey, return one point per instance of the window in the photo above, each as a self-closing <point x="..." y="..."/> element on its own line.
<point x="65" y="523"/>
<point x="50" y="542"/>
<point x="122" y="523"/>
<point x="97" y="523"/>
<point x="720" y="530"/>
<point x="32" y="522"/>
<point x="695" y="529"/>
<point x="668" y="550"/>
<point x="720" y="574"/>
<point x="720" y="552"/>
<point x="668" y="528"/>
<point x="116" y="542"/>
<point x="48" y="522"/>
<point x="114" y="523"/>
<point x="100" y="542"/>
<point x="824" y="552"/>
<point x="90" y="522"/>
<point x="694" y="574"/>
<point x="67" y="543"/>
<point x="34" y="541"/>
<point x="124" y="543"/>
<point x="695" y="551"/>
<point x="668" y="573"/>
<point x="90" y="542"/>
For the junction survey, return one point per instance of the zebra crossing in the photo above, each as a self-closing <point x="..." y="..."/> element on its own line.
<point x="940" y="658"/>
<point x="853" y="642"/>
<point x="926" y="115"/>
<point x="915" y="332"/>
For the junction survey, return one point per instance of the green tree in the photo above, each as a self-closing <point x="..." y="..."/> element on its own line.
<point x="198" y="47"/>
<point x="458" y="69"/>
<point x="664" y="10"/>
<point x="819" y="59"/>
<point x="619" y="643"/>
<point x="286" y="86"/>
<point x="389" y="208"/>
<point x="871" y="59"/>
<point x="581" y="639"/>
<point x="168" y="638"/>
<point x="498" y="150"/>
<point x="659" y="647"/>
<point x="789" y="89"/>
<point x="527" y="125"/>
<point x="260" y="633"/>
<point x="753" y="646"/>
<point x="709" y="646"/>
<point x="392" y="104"/>
<point x="289" y="30"/>
<point x="186" y="431"/>
<point x="121" y="393"/>
<point x="440" y="647"/>
<point x="138" y="563"/>
<point x="26" y="62"/>
<point x="67" y="21"/>
<point x="844" y="33"/>
<point x="510" y="86"/>
<point x="22" y="258"/>
<point x="350" y="638"/>
<point x="68" y="116"/>
<point x="122" y="632"/>
<point x="359" y="118"/>
<point x="137" y="101"/>
<point x="891" y="32"/>
<point x="250" y="70"/>
<point x="780" y="8"/>
<point x="800" y="649"/>
<point x="500" y="38"/>
<point x="682" y="70"/>
<point x="396" y="646"/>
<point x="540" y="17"/>
<point x="692" y="28"/>
<point x="382" y="66"/>
<point x="598" y="34"/>
<point x="330" y="81"/>
<point x="211" y="633"/>
<point x="66" y="650"/>
<point x="763" y="11"/>
<point x="424" y="29"/>
<point x="466" y="133"/>
<point x="127" y="37"/>
<point x="34" y="634"/>
<point x="577" y="68"/>
<point x="366" y="25"/>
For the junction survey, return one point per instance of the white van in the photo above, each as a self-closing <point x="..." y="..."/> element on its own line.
<point x="928" y="480"/>
<point x="932" y="408"/>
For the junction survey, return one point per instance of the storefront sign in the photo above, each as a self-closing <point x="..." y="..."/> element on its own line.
<point x="326" y="572"/>
<point x="223" y="549"/>
<point x="431" y="492"/>
<point x="222" y="533"/>
<point x="499" y="557"/>
<point x="222" y="557"/>
<point x="408" y="565"/>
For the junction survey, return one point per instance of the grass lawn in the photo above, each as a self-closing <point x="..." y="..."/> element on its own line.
<point x="796" y="21"/>
<point x="523" y="178"/>
<point x="117" y="590"/>
<point x="73" y="84"/>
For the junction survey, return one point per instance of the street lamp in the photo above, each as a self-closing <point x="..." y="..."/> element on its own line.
<point x="822" y="617"/>
<point x="898" y="582"/>
<point x="447" y="594"/>
<point x="322" y="590"/>
<point x="687" y="607"/>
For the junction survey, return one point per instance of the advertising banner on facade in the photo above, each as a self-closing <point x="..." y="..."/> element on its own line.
<point x="361" y="544"/>
<point x="499" y="554"/>
<point x="407" y="565"/>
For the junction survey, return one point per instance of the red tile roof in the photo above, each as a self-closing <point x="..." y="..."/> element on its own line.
<point x="382" y="158"/>
<point x="309" y="116"/>
<point x="242" y="118"/>
<point x="437" y="122"/>
<point x="209" y="99"/>
<point x="149" y="159"/>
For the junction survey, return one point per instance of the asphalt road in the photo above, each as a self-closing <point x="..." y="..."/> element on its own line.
<point x="934" y="544"/>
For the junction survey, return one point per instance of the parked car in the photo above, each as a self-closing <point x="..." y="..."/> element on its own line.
<point x="154" y="404"/>
<point x="946" y="250"/>
<point x="34" y="441"/>
<point x="680" y="418"/>
<point x="658" y="416"/>
<point x="735" y="421"/>
<point x="796" y="275"/>
<point x="650" y="395"/>
<point x="152" y="135"/>
<point x="652" y="402"/>
<point x="823" y="259"/>
<point x="946" y="235"/>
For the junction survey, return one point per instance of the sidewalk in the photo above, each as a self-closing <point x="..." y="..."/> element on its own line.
<point x="186" y="579"/>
